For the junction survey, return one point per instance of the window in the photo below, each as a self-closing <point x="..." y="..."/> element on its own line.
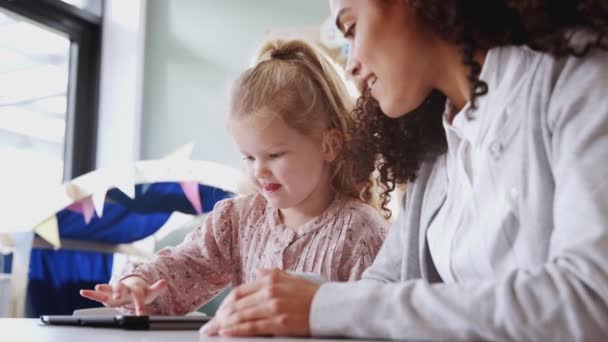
<point x="49" y="81"/>
<point x="92" y="6"/>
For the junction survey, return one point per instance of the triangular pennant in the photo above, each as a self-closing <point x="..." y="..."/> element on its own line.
<point x="49" y="230"/>
<point x="5" y="240"/>
<point x="183" y="152"/>
<point x="123" y="178"/>
<point x="99" y="199"/>
<point x="139" y="175"/>
<point x="73" y="191"/>
<point x="190" y="189"/>
<point x="84" y="207"/>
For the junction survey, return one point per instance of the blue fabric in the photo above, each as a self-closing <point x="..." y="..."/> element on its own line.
<point x="7" y="263"/>
<point x="56" y="275"/>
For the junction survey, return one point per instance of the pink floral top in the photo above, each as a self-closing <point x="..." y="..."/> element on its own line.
<point x="244" y="234"/>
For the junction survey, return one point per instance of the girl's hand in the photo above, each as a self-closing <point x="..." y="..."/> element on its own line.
<point x="132" y="290"/>
<point x="276" y="304"/>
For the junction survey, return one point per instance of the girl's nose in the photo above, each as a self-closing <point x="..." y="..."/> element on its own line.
<point x="260" y="169"/>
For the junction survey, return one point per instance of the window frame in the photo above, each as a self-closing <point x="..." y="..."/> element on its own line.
<point x="84" y="30"/>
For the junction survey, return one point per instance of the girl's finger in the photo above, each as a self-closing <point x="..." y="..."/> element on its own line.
<point x="154" y="291"/>
<point x="104" y="287"/>
<point x="119" y="291"/>
<point x="158" y="287"/>
<point x="138" y="298"/>
<point x="95" y="295"/>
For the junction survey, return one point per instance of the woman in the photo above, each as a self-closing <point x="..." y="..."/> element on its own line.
<point x="504" y="145"/>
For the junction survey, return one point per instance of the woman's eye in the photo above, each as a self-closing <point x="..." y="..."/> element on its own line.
<point x="275" y="155"/>
<point x="248" y="158"/>
<point x="350" y="32"/>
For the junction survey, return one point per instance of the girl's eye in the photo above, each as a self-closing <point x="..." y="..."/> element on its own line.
<point x="276" y="155"/>
<point x="350" y="32"/>
<point x="248" y="158"/>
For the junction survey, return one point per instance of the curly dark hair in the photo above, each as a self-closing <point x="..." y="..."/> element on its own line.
<point x="399" y="146"/>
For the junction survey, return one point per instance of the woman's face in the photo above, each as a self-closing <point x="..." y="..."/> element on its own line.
<point x="391" y="52"/>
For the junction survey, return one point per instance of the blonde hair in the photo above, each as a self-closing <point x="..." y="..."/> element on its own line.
<point x="295" y="81"/>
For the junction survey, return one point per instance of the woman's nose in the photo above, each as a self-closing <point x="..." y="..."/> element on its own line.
<point x="353" y="67"/>
<point x="354" y="71"/>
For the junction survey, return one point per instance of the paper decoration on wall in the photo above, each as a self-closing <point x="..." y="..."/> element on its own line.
<point x="184" y="152"/>
<point x="87" y="193"/>
<point x="120" y="177"/>
<point x="49" y="230"/>
<point x="191" y="191"/>
<point x="5" y="240"/>
<point x="85" y="207"/>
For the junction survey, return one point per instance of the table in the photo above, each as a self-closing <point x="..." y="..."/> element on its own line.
<point x="30" y="329"/>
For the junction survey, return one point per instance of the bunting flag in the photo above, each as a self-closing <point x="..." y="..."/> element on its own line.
<point x="84" y="207"/>
<point x="87" y="194"/>
<point x="190" y="189"/>
<point x="49" y="230"/>
<point x="5" y="240"/>
<point x="182" y="153"/>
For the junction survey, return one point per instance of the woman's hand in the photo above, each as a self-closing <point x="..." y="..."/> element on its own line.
<point x="132" y="290"/>
<point x="276" y="304"/>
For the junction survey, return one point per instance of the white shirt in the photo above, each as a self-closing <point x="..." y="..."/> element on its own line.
<point x="473" y="198"/>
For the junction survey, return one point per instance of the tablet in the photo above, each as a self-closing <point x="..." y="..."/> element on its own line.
<point x="193" y="322"/>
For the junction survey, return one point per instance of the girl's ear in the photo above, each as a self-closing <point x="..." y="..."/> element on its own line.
<point x="332" y="144"/>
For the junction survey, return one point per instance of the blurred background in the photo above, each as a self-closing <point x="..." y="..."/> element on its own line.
<point x="92" y="84"/>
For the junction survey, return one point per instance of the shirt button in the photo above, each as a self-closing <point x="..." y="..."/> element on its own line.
<point x="514" y="192"/>
<point x="496" y="149"/>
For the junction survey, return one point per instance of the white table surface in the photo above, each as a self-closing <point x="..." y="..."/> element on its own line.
<point x="25" y="330"/>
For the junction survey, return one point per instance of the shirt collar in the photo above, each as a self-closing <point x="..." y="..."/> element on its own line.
<point x="468" y="125"/>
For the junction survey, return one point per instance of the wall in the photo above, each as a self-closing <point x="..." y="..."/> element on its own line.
<point x="193" y="49"/>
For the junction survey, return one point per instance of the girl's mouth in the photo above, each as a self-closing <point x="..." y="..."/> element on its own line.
<point x="272" y="187"/>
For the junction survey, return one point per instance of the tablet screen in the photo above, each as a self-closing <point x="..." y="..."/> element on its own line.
<point x="130" y="322"/>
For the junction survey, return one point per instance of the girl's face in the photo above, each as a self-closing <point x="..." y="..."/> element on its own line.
<point x="391" y="52"/>
<point x="288" y="168"/>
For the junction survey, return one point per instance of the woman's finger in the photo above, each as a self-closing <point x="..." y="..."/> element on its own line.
<point x="266" y="278"/>
<point x="254" y="313"/>
<point x="239" y="292"/>
<point x="274" y="326"/>
<point x="211" y="328"/>
<point x="244" y="290"/>
<point x="263" y="296"/>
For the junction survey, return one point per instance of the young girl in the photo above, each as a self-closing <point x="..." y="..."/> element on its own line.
<point x="289" y="115"/>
